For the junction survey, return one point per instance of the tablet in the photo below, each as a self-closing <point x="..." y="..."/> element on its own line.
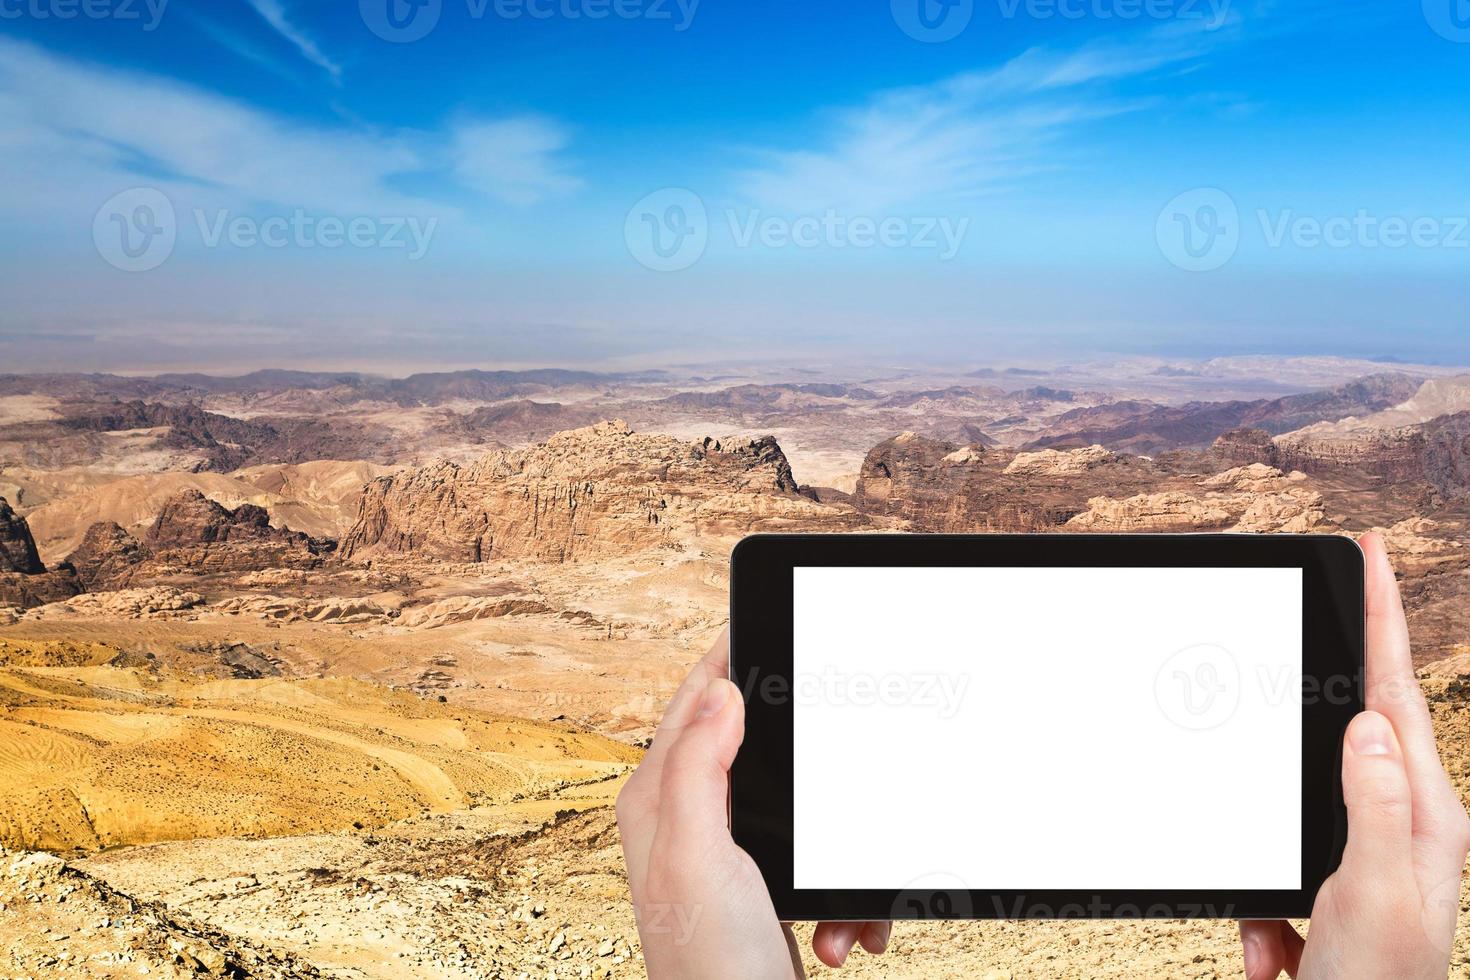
<point x="1044" y="726"/>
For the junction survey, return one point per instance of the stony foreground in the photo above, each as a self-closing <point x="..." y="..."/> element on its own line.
<point x="532" y="888"/>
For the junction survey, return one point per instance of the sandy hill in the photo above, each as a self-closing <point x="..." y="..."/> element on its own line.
<point x="95" y="756"/>
<point x="319" y="497"/>
<point x="1436" y="397"/>
<point x="516" y="890"/>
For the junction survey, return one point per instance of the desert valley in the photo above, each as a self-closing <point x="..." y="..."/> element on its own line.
<point x="331" y="674"/>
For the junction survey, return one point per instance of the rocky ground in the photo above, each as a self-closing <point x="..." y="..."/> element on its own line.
<point x="453" y="623"/>
<point x="56" y="920"/>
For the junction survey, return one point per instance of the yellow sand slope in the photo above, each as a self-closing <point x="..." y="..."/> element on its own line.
<point x="95" y="756"/>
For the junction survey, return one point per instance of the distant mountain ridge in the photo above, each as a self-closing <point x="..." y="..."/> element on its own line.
<point x="428" y="388"/>
<point x="1146" y="427"/>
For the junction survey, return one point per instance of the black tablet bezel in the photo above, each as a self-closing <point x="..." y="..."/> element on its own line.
<point x="761" y="788"/>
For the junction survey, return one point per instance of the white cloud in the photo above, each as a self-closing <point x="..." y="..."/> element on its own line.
<point x="240" y="46"/>
<point x="513" y="160"/>
<point x="73" y="134"/>
<point x="274" y="14"/>
<point x="968" y="134"/>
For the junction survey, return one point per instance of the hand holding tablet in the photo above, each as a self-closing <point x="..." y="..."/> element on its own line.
<point x="707" y="908"/>
<point x="1065" y="726"/>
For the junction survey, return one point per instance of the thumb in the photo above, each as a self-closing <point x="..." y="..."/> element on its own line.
<point x="694" y="788"/>
<point x="1375" y="787"/>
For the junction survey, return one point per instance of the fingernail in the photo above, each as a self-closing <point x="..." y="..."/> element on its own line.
<point x="1252" y="955"/>
<point x="1371" y="734"/>
<point x="843" y="945"/>
<point x="715" y="696"/>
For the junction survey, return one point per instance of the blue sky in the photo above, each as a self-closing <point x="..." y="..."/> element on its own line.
<point x="629" y="182"/>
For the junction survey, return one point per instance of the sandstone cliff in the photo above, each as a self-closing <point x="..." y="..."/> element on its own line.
<point x="940" y="487"/>
<point x="1248" y="498"/>
<point x="108" y="557"/>
<point x="17" y="547"/>
<point x="24" y="581"/>
<point x="194" y="534"/>
<point x="594" y="492"/>
<point x="1436" y="452"/>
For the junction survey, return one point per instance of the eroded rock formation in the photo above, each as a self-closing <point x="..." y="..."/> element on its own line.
<point x="594" y="492"/>
<point x="196" y="534"/>
<point x="24" y="580"/>
<point x="108" y="556"/>
<point x="940" y="487"/>
<point x="1436" y="453"/>
<point x="1247" y="498"/>
<point x="17" y="547"/>
<point x="193" y="531"/>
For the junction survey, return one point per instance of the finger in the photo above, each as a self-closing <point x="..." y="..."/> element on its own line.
<point x="1394" y="691"/>
<point x="1375" y="787"/>
<point x="874" y="936"/>
<point x="682" y="706"/>
<point x="717" y="661"/>
<point x="1391" y="688"/>
<point x="637" y="804"/>
<point x="694" y="787"/>
<point x="1270" y="945"/>
<point x="832" y="941"/>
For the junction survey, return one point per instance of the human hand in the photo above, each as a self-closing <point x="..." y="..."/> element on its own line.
<point x="700" y="901"/>
<point x="1390" y="909"/>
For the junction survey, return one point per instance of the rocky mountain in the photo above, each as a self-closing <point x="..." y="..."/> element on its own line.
<point x="943" y="487"/>
<point x="17" y="547"/>
<point x="189" y="427"/>
<point x="227" y="442"/>
<point x="1435" y="453"/>
<point x="24" y="580"/>
<point x="592" y="492"/>
<point x="521" y="420"/>
<point x="1144" y="427"/>
<point x="430" y="388"/>
<point x="939" y="487"/>
<point x="318" y="497"/>
<point x="193" y="533"/>
<point x="1447" y="453"/>
<point x="1248" y="498"/>
<point x="980" y="398"/>
<point x="766" y="398"/>
<point x="108" y="557"/>
<point x="1436" y="398"/>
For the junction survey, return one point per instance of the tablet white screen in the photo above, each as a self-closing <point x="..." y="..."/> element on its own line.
<point x="1031" y="728"/>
